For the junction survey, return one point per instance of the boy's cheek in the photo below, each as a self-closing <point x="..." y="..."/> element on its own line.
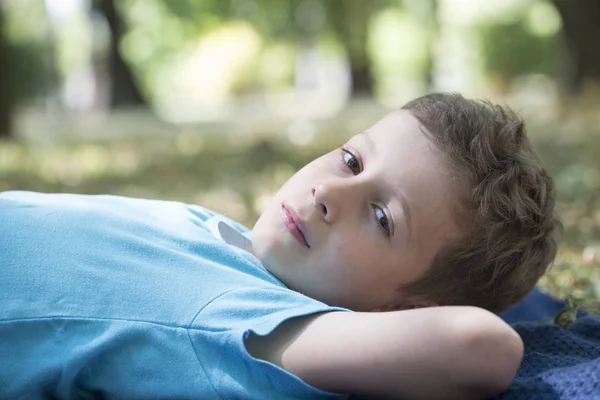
<point x="348" y="249"/>
<point x="339" y="261"/>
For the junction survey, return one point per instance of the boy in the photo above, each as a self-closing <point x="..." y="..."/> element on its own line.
<point x="441" y="203"/>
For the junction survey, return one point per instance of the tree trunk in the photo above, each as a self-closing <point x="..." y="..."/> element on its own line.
<point x="124" y="89"/>
<point x="362" y="77"/>
<point x="350" y="19"/>
<point x="6" y="105"/>
<point x="581" y="30"/>
<point x="432" y="21"/>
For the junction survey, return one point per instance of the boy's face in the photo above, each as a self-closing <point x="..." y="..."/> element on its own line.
<point x="353" y="225"/>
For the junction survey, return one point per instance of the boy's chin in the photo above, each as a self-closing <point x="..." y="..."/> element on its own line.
<point x="266" y="238"/>
<point x="264" y="243"/>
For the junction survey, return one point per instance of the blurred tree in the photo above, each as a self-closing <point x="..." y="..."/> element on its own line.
<point x="291" y="20"/>
<point x="124" y="88"/>
<point x="581" y="30"/>
<point x="350" y="22"/>
<point x="27" y="68"/>
<point x="510" y="50"/>
<point x="426" y="12"/>
<point x="5" y="90"/>
<point x="433" y="22"/>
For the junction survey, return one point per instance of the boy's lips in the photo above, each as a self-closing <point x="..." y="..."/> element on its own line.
<point x="294" y="224"/>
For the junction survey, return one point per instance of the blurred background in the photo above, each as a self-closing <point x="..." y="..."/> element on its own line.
<point x="218" y="102"/>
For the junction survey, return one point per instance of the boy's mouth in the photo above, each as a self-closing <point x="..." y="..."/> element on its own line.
<point x="294" y="224"/>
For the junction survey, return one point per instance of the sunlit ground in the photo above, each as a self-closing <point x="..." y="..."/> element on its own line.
<point x="236" y="174"/>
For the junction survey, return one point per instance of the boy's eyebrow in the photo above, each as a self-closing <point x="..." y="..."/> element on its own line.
<point x="398" y="193"/>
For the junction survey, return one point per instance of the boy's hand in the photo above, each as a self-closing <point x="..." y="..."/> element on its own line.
<point x="431" y="353"/>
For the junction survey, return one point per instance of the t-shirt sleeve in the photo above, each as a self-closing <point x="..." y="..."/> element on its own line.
<point x="230" y="318"/>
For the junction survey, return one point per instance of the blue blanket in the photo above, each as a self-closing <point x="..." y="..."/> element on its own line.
<point x="558" y="363"/>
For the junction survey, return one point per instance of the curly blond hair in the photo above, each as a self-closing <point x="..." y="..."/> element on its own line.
<point x="508" y="212"/>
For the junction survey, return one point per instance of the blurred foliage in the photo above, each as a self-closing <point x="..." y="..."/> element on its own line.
<point x="525" y="42"/>
<point x="237" y="174"/>
<point x="300" y="23"/>
<point x="205" y="51"/>
<point x="279" y="20"/>
<point x="33" y="71"/>
<point x="30" y="52"/>
<point x="511" y="50"/>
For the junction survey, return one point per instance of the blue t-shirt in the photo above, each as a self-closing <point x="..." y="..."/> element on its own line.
<point x="119" y="298"/>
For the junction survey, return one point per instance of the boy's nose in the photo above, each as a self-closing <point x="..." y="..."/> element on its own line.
<point x="328" y="198"/>
<point x="317" y="193"/>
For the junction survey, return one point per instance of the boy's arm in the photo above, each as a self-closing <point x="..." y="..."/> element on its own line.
<point x="430" y="353"/>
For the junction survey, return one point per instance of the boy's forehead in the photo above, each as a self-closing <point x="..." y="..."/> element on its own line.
<point x="399" y="122"/>
<point x="399" y="127"/>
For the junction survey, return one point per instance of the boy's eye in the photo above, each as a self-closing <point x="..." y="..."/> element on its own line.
<point x="351" y="161"/>
<point x="382" y="219"/>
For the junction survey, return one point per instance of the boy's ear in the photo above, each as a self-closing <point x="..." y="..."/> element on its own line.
<point x="407" y="304"/>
